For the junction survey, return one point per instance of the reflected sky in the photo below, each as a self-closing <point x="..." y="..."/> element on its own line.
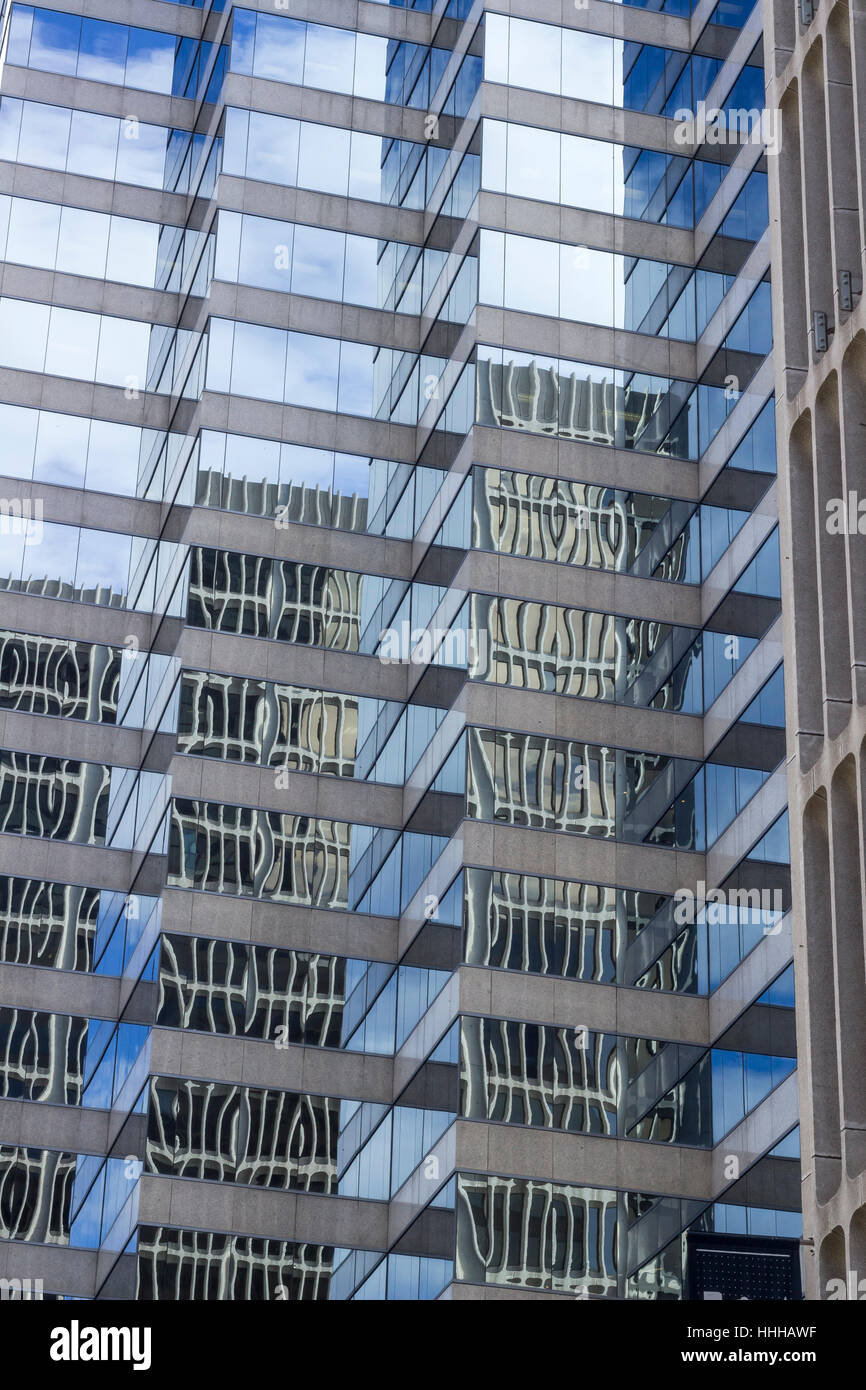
<point x="76" y="557"/>
<point x="313" y="55"/>
<point x="80" y="142"/>
<point x="603" y="176"/>
<point x="72" y="343"/>
<point x="249" y="359"/>
<point x="566" y="62"/>
<point x="71" y="450"/>
<point x="593" y="286"/>
<point x="299" y="259"/>
<point x="100" y="51"/>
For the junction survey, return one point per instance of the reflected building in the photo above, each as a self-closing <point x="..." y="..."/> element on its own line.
<point x="548" y="398"/>
<point x="35" y="1195"/>
<point x="74" y="680"/>
<point x="52" y="924"/>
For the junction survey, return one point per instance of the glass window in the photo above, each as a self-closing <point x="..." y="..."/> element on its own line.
<point x="219" y="357"/>
<point x="33" y="232"/>
<point x="495" y="159"/>
<point x="279" y="47"/>
<point x="534" y="163"/>
<point x="258" y="362"/>
<point x="371" y="56"/>
<point x="112" y="459"/>
<point x="54" y="45"/>
<point x="496" y="48"/>
<point x="592" y="67"/>
<point x="365" y="178"/>
<point x="361" y="280"/>
<point x="531" y="279"/>
<point x="323" y="161"/>
<point x="44" y="135"/>
<point x="228" y="246"/>
<point x="537" y="49"/>
<point x="73" y="341"/>
<point x="83" y="246"/>
<point x="61" y="448"/>
<point x="13" y="558"/>
<point x="132" y="251"/>
<point x="123" y="348"/>
<point x="312" y="370"/>
<point x="20" y="33"/>
<point x="103" y="565"/>
<point x="266" y="253"/>
<point x="243" y="41"/>
<point x="141" y="154"/>
<point x="18" y="431"/>
<point x="23" y="334"/>
<point x="236" y="133"/>
<point x="329" y="60"/>
<point x="51" y="555"/>
<point x="317" y="262"/>
<point x="257" y="459"/>
<point x="92" y="144"/>
<point x="308" y="467"/>
<point x="10" y="126"/>
<point x="150" y="61"/>
<point x="273" y="149"/>
<point x="102" y="56"/>
<point x="588" y="174"/>
<point x="356" y="379"/>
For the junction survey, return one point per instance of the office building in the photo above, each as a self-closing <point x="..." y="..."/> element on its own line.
<point x="396" y="888"/>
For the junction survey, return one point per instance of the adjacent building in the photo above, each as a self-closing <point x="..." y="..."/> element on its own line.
<point x="817" y="84"/>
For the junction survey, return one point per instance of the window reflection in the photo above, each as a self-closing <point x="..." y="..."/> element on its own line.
<point x="537" y="1235"/>
<point x="242" y="1134"/>
<point x="329" y="159"/>
<point x="66" y="562"/>
<point x="547" y="783"/>
<point x="315" y="487"/>
<point x="42" y="1057"/>
<point x="72" y="343"/>
<point x="53" y="798"/>
<point x="81" y="142"/>
<point x="600" y="287"/>
<point x="105" y="52"/>
<point x="291" y="997"/>
<point x="595" y="67"/>
<point x="582" y="931"/>
<point x="590" y="654"/>
<point x="35" y="1195"/>
<point x="48" y="924"/>
<point x="312" y="261"/>
<point x="178" y="1265"/>
<point x="218" y="848"/>
<point x="600" y="405"/>
<point x="248" y="359"/>
<point x="531" y="1074"/>
<point x="346" y="61"/>
<point x="59" y="677"/>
